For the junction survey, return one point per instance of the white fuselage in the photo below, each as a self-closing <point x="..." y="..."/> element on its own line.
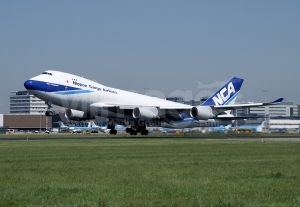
<point x="74" y="92"/>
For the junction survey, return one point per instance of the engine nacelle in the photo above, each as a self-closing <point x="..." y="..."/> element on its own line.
<point x="201" y="113"/>
<point x="73" y="114"/>
<point x="145" y="113"/>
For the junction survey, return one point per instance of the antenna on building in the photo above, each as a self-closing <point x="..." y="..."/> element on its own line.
<point x="145" y="90"/>
<point x="265" y="92"/>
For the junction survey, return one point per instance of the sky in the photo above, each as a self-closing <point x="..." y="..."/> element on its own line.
<point x="150" y="46"/>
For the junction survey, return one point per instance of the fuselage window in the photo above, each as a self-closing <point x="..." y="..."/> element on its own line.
<point x="47" y="73"/>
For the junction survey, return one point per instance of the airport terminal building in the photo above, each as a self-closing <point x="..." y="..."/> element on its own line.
<point x="285" y="109"/>
<point x="27" y="113"/>
<point x="22" y="102"/>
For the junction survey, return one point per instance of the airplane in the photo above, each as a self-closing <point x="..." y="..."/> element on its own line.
<point x="75" y="129"/>
<point x="220" y="128"/>
<point x="254" y="128"/>
<point x="86" y="99"/>
<point x="169" y="130"/>
<point x="106" y="130"/>
<point x="211" y="85"/>
<point x="189" y="122"/>
<point x="96" y="127"/>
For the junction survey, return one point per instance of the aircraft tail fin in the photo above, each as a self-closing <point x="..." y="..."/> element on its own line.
<point x="90" y="124"/>
<point x="61" y="125"/>
<point x="227" y="94"/>
<point x="278" y="101"/>
<point x="93" y="124"/>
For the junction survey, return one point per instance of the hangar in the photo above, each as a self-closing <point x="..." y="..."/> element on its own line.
<point x="25" y="122"/>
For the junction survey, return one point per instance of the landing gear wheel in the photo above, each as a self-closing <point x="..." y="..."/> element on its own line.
<point x="144" y="132"/>
<point x="133" y="132"/>
<point x="49" y="113"/>
<point x="113" y="131"/>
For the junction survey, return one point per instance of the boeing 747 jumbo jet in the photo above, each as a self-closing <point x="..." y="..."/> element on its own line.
<point x="86" y="99"/>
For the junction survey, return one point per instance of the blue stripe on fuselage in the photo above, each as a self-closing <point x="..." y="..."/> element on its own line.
<point x="235" y="95"/>
<point x="49" y="87"/>
<point x="73" y="92"/>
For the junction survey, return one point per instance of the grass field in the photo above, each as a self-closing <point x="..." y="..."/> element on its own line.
<point x="149" y="173"/>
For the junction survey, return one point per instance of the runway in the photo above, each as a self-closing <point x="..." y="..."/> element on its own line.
<point x="115" y="138"/>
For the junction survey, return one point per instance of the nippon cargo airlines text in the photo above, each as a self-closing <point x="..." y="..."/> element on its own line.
<point x="82" y="85"/>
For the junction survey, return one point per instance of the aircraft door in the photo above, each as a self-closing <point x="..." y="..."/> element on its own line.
<point x="67" y="97"/>
<point x="72" y="97"/>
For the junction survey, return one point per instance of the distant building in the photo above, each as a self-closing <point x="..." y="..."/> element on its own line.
<point x="177" y="99"/>
<point x="27" y="122"/>
<point x="22" y="102"/>
<point x="288" y="125"/>
<point x="285" y="109"/>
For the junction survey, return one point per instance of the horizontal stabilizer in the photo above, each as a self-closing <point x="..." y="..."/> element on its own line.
<point x="249" y="105"/>
<point x="278" y="101"/>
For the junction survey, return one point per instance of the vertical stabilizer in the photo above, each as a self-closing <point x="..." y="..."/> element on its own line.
<point x="226" y="95"/>
<point x="61" y="125"/>
<point x="90" y="124"/>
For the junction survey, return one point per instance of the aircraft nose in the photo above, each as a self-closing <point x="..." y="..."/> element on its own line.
<point x="28" y="84"/>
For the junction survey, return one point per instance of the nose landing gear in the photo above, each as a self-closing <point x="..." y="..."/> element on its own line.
<point x="49" y="112"/>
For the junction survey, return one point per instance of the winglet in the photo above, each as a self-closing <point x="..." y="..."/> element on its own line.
<point x="278" y="101"/>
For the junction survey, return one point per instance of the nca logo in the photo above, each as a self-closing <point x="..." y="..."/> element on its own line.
<point x="223" y="96"/>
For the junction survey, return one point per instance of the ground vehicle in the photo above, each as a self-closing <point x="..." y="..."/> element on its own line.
<point x="10" y="131"/>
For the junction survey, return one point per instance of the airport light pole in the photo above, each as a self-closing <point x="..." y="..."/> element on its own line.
<point x="267" y="127"/>
<point x="40" y="123"/>
<point x="265" y="92"/>
<point x="145" y="90"/>
<point x="46" y="123"/>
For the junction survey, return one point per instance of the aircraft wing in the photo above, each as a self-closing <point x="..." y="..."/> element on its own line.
<point x="239" y="106"/>
<point x="222" y="107"/>
<point x="122" y="106"/>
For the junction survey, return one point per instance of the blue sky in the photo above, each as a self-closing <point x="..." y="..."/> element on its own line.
<point x="159" y="45"/>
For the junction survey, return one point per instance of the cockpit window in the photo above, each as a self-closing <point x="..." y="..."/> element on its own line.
<point x="47" y="73"/>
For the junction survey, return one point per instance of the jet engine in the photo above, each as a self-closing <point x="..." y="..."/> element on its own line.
<point x="73" y="114"/>
<point x="201" y="113"/>
<point x="145" y="113"/>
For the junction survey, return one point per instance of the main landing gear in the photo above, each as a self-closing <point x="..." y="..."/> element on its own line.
<point x="112" y="130"/>
<point x="135" y="131"/>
